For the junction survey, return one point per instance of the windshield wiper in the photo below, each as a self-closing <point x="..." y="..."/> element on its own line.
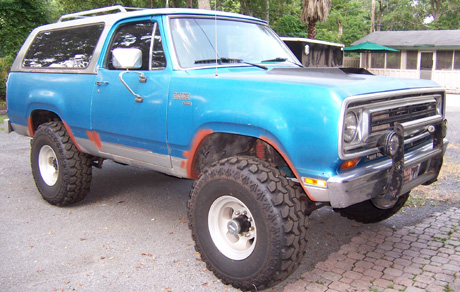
<point x="279" y="59"/>
<point x="228" y="61"/>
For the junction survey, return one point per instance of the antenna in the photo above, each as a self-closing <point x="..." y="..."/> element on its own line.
<point x="215" y="33"/>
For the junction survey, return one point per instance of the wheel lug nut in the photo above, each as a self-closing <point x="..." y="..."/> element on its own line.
<point x="237" y="213"/>
<point x="251" y="228"/>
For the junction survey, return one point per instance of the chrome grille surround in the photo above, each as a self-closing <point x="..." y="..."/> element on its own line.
<point x="377" y="113"/>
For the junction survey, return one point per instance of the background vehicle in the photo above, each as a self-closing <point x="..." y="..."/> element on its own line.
<point x="219" y="98"/>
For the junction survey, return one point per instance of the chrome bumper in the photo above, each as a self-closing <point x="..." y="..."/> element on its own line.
<point x="369" y="181"/>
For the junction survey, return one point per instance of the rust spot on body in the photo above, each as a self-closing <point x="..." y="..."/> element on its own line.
<point x="95" y="138"/>
<point x="30" y="126"/>
<point x="72" y="137"/>
<point x="191" y="153"/>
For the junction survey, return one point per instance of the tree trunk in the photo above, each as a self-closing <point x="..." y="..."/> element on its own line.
<point x="267" y="11"/>
<point x="373" y="16"/>
<point x="339" y="35"/>
<point x="204" y="4"/>
<point x="189" y="3"/>
<point x="435" y="8"/>
<point x="312" y="29"/>
<point x="379" y="16"/>
<point x="244" y="8"/>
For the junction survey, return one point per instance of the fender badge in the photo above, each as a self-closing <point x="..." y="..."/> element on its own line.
<point x="181" y="96"/>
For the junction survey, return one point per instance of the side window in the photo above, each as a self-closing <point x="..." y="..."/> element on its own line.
<point x="133" y="35"/>
<point x="63" y="48"/>
<point x="158" y="54"/>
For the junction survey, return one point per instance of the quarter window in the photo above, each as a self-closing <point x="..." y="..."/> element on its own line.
<point x="64" y="48"/>
<point x="158" y="54"/>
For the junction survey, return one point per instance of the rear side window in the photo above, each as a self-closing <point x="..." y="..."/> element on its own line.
<point x="64" y="48"/>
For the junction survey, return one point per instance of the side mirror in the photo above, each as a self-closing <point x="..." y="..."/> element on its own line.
<point x="127" y="58"/>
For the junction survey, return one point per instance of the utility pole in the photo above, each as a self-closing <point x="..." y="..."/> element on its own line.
<point x="373" y="16"/>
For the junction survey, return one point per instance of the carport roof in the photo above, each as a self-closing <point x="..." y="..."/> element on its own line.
<point x="415" y="39"/>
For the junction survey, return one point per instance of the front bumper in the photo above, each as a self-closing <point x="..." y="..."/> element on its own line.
<point x="370" y="181"/>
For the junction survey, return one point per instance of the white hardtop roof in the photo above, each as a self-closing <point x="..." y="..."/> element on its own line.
<point x="85" y="17"/>
<point x="306" y="40"/>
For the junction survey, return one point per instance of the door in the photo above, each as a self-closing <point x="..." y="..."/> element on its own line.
<point x="125" y="128"/>
<point x="426" y="65"/>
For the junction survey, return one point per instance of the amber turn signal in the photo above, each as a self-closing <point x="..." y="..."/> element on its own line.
<point x="349" y="164"/>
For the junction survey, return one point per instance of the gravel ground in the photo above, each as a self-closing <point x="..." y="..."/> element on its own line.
<point x="131" y="234"/>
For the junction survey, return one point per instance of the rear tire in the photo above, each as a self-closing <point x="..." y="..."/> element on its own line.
<point x="367" y="212"/>
<point x="248" y="222"/>
<point x="61" y="172"/>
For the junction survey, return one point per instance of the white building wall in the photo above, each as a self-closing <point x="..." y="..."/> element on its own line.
<point x="449" y="79"/>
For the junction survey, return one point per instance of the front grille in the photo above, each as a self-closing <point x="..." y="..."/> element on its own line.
<point x="383" y="121"/>
<point x="378" y="113"/>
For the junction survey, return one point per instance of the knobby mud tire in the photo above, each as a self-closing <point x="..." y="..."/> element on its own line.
<point x="278" y="206"/>
<point x="73" y="168"/>
<point x="367" y="212"/>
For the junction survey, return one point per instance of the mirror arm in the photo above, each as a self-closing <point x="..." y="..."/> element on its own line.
<point x="142" y="79"/>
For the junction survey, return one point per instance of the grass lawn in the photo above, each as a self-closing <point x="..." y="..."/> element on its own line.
<point x="1" y="122"/>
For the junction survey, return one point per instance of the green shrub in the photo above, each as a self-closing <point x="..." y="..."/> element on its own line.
<point x="5" y="65"/>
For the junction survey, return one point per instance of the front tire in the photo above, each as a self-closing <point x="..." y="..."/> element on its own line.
<point x="248" y="222"/>
<point x="368" y="212"/>
<point x="62" y="174"/>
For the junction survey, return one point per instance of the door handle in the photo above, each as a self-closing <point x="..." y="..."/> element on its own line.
<point x="99" y="83"/>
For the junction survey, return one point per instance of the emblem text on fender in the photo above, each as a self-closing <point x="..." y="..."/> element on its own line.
<point x="181" y="96"/>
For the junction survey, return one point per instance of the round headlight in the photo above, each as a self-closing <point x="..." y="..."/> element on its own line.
<point x="350" y="127"/>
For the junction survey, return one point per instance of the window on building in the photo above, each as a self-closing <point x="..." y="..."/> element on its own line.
<point x="411" y="60"/>
<point x="444" y="60"/>
<point x="457" y="60"/>
<point x="378" y="60"/>
<point x="394" y="60"/>
<point x="63" y="48"/>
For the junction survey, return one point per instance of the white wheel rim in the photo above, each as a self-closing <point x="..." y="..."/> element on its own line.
<point x="48" y="165"/>
<point x="222" y="211"/>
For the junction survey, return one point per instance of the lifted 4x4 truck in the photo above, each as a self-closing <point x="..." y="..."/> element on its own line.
<point x="218" y="97"/>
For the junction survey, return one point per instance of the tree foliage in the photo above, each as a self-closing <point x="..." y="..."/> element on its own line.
<point x="345" y="22"/>
<point x="17" y="19"/>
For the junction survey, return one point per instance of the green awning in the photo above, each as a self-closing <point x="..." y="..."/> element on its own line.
<point x="369" y="47"/>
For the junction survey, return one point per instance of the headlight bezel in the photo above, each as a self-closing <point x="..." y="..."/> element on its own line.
<point x="352" y="118"/>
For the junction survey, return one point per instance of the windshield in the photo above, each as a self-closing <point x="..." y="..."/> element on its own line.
<point x="237" y="42"/>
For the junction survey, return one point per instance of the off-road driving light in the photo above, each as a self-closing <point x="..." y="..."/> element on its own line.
<point x="389" y="144"/>
<point x="350" y="127"/>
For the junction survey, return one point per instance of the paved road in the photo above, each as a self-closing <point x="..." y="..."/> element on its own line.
<point x="130" y="233"/>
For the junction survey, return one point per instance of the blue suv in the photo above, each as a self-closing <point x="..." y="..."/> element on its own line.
<point x="218" y="98"/>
